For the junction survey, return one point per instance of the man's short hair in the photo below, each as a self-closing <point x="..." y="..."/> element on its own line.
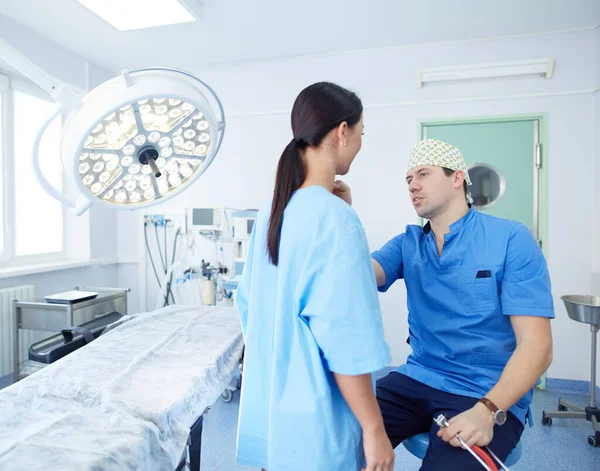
<point x="449" y="172"/>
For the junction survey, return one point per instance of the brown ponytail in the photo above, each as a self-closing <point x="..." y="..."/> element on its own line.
<point x="317" y="110"/>
<point x="290" y="175"/>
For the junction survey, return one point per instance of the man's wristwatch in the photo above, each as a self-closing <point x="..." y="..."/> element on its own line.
<point x="498" y="414"/>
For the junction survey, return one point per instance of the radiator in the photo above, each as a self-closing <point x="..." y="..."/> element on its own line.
<point x="26" y="337"/>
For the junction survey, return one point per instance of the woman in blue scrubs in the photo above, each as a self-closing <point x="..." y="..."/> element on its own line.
<point x="309" y="307"/>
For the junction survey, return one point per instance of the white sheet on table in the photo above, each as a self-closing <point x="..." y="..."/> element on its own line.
<point x="126" y="400"/>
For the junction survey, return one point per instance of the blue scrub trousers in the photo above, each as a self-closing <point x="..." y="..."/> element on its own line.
<point x="409" y="407"/>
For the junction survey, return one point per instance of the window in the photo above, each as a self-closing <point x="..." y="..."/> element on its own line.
<point x="32" y="221"/>
<point x="489" y="185"/>
<point x="4" y="91"/>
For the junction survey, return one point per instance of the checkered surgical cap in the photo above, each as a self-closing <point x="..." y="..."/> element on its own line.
<point x="439" y="154"/>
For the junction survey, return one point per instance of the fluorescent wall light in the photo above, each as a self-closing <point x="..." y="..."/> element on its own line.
<point x="127" y="15"/>
<point x="541" y="67"/>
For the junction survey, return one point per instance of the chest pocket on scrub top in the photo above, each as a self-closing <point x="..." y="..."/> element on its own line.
<point x="476" y="289"/>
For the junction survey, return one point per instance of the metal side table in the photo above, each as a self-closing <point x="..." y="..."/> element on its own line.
<point x="584" y="309"/>
<point x="51" y="317"/>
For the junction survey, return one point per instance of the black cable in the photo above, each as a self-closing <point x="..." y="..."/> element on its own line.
<point x="169" y="291"/>
<point x="175" y="245"/>
<point x="166" y="256"/>
<point x="173" y="261"/>
<point x="167" y="270"/>
<point x="159" y="248"/>
<point x="169" y="283"/>
<point x="150" y="254"/>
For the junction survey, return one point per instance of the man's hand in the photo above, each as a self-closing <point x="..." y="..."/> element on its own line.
<point x="378" y="450"/>
<point x="475" y="426"/>
<point x="341" y="190"/>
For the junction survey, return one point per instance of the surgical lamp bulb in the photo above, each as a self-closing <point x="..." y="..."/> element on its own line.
<point x="189" y="134"/>
<point x="153" y="137"/>
<point x="120" y="197"/>
<point x="126" y="161"/>
<point x="166" y="152"/>
<point x="139" y="140"/>
<point x="164" y="141"/>
<point x="135" y="197"/>
<point x="135" y="168"/>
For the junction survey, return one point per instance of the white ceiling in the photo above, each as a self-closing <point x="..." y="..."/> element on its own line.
<point x="239" y="30"/>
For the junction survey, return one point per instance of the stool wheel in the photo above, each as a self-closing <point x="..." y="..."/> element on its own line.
<point x="547" y="421"/>
<point x="227" y="395"/>
<point x="594" y="440"/>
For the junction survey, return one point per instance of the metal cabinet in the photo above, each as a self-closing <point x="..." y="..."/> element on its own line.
<point x="40" y="315"/>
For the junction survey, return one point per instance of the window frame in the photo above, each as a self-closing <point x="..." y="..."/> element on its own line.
<point x="5" y="107"/>
<point x="8" y="257"/>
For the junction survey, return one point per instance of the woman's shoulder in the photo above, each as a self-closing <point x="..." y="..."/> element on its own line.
<point x="314" y="209"/>
<point x="324" y="208"/>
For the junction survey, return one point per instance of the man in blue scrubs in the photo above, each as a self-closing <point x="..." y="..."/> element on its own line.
<point x="479" y="310"/>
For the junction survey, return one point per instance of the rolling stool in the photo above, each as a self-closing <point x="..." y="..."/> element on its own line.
<point x="418" y="444"/>
<point x="584" y="309"/>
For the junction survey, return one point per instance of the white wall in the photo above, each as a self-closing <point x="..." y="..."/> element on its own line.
<point x="70" y="68"/>
<point x="63" y="280"/>
<point x="258" y="97"/>
<point x="596" y="275"/>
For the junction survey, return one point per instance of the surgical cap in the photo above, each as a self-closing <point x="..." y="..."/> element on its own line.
<point x="439" y="154"/>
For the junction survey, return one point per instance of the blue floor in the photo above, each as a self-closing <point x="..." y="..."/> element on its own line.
<point x="563" y="446"/>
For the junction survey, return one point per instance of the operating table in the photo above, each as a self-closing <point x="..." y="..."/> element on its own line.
<point x="128" y="400"/>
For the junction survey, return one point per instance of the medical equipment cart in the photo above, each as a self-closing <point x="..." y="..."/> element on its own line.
<point x="53" y="317"/>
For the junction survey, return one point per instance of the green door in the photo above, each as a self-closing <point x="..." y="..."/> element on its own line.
<point x="503" y="162"/>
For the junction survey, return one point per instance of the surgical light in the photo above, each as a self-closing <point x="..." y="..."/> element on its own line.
<point x="135" y="140"/>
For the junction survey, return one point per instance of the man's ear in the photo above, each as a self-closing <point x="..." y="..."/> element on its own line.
<point x="459" y="178"/>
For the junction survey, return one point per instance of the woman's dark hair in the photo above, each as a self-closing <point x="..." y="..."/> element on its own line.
<point x="318" y="109"/>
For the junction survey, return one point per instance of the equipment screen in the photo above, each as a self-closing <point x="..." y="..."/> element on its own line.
<point x="203" y="217"/>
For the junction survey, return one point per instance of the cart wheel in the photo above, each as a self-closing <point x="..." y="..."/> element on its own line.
<point x="562" y="408"/>
<point x="227" y="395"/>
<point x="594" y="440"/>
<point x="547" y="421"/>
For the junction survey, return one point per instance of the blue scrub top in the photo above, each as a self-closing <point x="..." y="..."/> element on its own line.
<point x="314" y="314"/>
<point x="459" y="303"/>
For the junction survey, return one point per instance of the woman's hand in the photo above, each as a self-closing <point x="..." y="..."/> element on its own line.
<point x="341" y="190"/>
<point x="378" y="450"/>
